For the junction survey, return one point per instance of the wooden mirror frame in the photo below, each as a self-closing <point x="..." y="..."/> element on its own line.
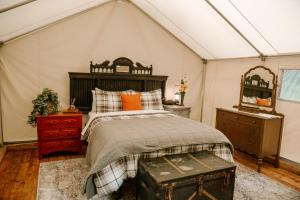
<point x="258" y="108"/>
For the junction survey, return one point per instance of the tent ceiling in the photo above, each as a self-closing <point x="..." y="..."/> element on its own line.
<point x="273" y="27"/>
<point x="37" y="14"/>
<point x="10" y="4"/>
<point x="278" y="21"/>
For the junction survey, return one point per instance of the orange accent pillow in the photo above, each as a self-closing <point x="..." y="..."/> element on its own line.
<point x="131" y="101"/>
<point x="263" y="102"/>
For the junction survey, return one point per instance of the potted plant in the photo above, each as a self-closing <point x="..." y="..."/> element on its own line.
<point x="44" y="104"/>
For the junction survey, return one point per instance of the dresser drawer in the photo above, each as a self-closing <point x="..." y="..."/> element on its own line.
<point x="227" y="115"/>
<point x="59" y="133"/>
<point x="250" y="120"/>
<point x="223" y="115"/>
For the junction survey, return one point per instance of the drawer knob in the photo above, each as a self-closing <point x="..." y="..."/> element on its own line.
<point x="53" y="122"/>
<point x="70" y="121"/>
<point x="250" y="142"/>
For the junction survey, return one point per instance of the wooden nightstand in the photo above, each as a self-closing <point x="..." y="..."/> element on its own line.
<point x="182" y="111"/>
<point x="59" y="132"/>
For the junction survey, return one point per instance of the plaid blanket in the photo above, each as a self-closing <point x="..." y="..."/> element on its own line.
<point x="111" y="177"/>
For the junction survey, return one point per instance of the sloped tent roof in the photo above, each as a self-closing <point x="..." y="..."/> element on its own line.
<point x="214" y="29"/>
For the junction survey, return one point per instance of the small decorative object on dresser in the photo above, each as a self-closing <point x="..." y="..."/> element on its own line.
<point x="199" y="175"/>
<point x="72" y="108"/>
<point x="59" y="132"/>
<point x="182" y="111"/>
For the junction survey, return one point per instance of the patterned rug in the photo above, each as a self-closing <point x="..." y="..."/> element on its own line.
<point x="62" y="180"/>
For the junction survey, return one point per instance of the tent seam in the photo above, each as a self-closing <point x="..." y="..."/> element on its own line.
<point x="252" y="25"/>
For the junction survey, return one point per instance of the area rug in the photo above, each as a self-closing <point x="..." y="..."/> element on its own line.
<point x="62" y="180"/>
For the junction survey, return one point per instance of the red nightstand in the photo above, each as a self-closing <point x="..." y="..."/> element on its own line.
<point x="59" y="132"/>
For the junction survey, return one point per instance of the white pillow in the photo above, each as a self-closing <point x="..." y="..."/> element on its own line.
<point x="94" y="101"/>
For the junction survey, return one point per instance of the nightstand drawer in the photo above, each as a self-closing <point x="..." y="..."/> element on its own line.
<point x="182" y="111"/>
<point x="59" y="145"/>
<point x="48" y="123"/>
<point x="57" y="133"/>
<point x="74" y="122"/>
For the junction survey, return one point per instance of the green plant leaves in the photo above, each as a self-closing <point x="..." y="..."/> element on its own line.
<point x="44" y="104"/>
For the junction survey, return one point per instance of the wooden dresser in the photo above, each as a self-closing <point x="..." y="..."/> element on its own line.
<point x="255" y="133"/>
<point x="182" y="111"/>
<point x="59" y="132"/>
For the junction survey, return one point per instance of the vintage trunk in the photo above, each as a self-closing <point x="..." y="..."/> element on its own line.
<point x="189" y="176"/>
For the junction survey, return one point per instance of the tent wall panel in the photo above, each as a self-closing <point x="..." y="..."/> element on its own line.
<point x="44" y="58"/>
<point x="222" y="88"/>
<point x="38" y="14"/>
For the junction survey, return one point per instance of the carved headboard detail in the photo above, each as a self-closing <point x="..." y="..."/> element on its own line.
<point x="120" y="65"/>
<point x="111" y="79"/>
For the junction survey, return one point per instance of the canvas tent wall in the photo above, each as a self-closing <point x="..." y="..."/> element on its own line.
<point x="44" y="58"/>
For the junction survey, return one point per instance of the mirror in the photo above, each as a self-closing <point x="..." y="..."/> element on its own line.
<point x="258" y="90"/>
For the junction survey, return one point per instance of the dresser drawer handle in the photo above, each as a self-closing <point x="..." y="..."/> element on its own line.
<point x="250" y="142"/>
<point x="52" y="132"/>
<point x="253" y="122"/>
<point x="69" y="121"/>
<point x="52" y="123"/>
<point x="69" y="131"/>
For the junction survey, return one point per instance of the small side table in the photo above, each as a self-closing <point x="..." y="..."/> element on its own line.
<point x="182" y="111"/>
<point x="59" y="132"/>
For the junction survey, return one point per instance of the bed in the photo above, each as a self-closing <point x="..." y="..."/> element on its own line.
<point x="117" y="139"/>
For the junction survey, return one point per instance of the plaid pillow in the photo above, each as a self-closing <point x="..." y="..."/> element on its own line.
<point x="107" y="101"/>
<point x="152" y="100"/>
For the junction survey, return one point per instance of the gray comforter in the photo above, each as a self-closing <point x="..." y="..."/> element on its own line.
<point x="111" y="140"/>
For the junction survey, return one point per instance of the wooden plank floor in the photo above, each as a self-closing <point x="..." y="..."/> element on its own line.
<point x="19" y="173"/>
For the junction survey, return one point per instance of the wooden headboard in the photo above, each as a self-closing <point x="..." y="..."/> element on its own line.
<point x="121" y="75"/>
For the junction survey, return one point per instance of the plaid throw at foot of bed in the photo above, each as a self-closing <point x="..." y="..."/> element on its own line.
<point x="112" y="176"/>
